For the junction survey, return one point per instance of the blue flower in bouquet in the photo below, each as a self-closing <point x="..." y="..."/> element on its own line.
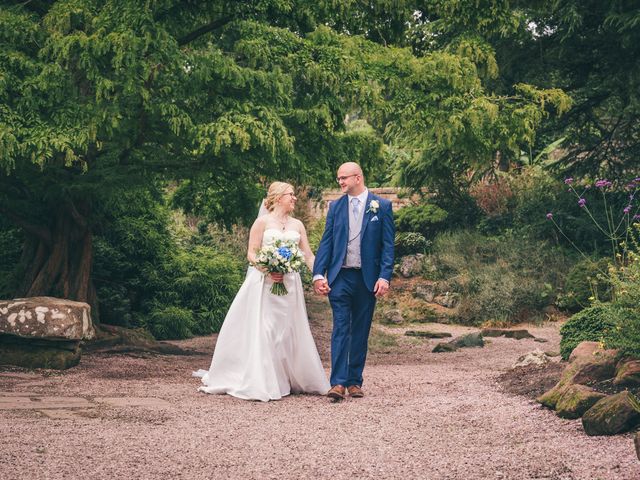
<point x="280" y="257"/>
<point x="285" y="252"/>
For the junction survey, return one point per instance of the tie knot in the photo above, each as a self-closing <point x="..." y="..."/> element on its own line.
<point x="355" y="202"/>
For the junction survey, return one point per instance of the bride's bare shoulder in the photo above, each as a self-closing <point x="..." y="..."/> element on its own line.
<point x="298" y="224"/>
<point x="259" y="223"/>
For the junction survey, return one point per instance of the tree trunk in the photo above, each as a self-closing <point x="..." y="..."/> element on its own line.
<point x="61" y="265"/>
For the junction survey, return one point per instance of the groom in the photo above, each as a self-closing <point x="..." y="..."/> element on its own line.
<point x="353" y="266"/>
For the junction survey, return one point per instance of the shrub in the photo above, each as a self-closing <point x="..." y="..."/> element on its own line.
<point x="10" y="249"/>
<point x="171" y="322"/>
<point x="595" y="324"/>
<point x="424" y="218"/>
<point x="150" y="259"/>
<point x="585" y="280"/>
<point x="206" y="282"/>
<point x="501" y="279"/>
<point x="409" y="243"/>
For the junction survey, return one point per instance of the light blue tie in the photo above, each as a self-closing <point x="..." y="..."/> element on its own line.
<point x="355" y="207"/>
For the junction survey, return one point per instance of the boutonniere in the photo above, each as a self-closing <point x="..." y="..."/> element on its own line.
<point x="373" y="206"/>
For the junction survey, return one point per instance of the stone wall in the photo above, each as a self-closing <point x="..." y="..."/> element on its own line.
<point x="398" y="200"/>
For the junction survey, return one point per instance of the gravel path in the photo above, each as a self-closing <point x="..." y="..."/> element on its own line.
<point x="431" y="416"/>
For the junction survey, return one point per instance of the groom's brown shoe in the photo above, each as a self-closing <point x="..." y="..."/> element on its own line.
<point x="336" y="393"/>
<point x="355" y="391"/>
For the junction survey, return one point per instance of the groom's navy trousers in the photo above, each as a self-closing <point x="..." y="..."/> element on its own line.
<point x="352" y="304"/>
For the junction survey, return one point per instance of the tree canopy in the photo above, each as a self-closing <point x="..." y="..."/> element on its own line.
<point x="99" y="97"/>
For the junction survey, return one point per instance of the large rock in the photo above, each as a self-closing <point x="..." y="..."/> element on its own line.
<point x="464" y="341"/>
<point x="393" y="316"/>
<point x="468" y="340"/>
<point x="46" y="318"/>
<point x="444" y="347"/>
<point x="576" y="400"/>
<point x="588" y="363"/>
<point x="636" y="440"/>
<point x="43" y="332"/>
<point x="425" y="291"/>
<point x="537" y="357"/>
<point x="448" y="299"/>
<point x="427" y="334"/>
<point x="411" y="265"/>
<point x="627" y="373"/>
<point x="506" y="332"/>
<point x="611" y="415"/>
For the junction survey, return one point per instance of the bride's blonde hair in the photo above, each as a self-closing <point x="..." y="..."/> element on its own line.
<point x="275" y="193"/>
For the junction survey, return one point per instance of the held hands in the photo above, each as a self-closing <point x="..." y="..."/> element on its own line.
<point x="321" y="286"/>
<point x="381" y="288"/>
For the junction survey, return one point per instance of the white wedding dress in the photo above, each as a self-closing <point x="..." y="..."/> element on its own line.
<point x="265" y="349"/>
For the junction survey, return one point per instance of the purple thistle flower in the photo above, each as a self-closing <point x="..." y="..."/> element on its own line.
<point x="636" y="180"/>
<point x="568" y="181"/>
<point x="627" y="209"/>
<point x="636" y="217"/>
<point x="603" y="183"/>
<point x="549" y="216"/>
<point x="582" y="202"/>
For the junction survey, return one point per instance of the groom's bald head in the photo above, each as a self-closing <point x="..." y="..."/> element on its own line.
<point x="350" y="168"/>
<point x="351" y="178"/>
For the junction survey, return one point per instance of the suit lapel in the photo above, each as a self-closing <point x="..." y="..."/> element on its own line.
<point x="344" y="216"/>
<point x="366" y="216"/>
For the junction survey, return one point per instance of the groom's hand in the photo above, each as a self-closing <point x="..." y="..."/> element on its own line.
<point x="321" y="286"/>
<point x="381" y="288"/>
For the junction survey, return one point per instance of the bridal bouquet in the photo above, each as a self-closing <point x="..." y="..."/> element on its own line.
<point x="280" y="257"/>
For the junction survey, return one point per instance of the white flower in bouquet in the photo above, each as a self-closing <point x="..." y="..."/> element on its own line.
<point x="280" y="257"/>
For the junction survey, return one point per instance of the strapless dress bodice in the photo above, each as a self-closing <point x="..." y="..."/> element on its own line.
<point x="271" y="235"/>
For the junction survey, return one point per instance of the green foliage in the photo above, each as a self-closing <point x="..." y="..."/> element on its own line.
<point x="409" y="243"/>
<point x="585" y="281"/>
<point x="314" y="233"/>
<point x="10" y="248"/>
<point x="147" y="263"/>
<point x="425" y="218"/>
<point x="594" y="324"/>
<point x="501" y="279"/>
<point x="206" y="282"/>
<point x="171" y="322"/>
<point x="626" y="337"/>
<point x="590" y="49"/>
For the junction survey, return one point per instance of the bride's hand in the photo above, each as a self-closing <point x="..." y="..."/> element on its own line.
<point x="277" y="277"/>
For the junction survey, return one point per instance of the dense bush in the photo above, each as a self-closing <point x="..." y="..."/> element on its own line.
<point x="425" y="218"/>
<point x="409" y="243"/>
<point x="586" y="279"/>
<point x="10" y="249"/>
<point x="626" y="302"/>
<point x="170" y="322"/>
<point x="150" y="266"/>
<point x="500" y="279"/>
<point x="595" y="324"/>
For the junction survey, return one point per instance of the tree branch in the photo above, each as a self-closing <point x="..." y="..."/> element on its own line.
<point x="190" y="37"/>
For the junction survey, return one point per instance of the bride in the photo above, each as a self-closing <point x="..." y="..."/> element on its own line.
<point x="265" y="350"/>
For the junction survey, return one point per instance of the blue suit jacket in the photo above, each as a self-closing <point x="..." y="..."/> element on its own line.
<point x="376" y="242"/>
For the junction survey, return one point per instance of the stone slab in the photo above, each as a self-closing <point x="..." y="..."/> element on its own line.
<point x="57" y="414"/>
<point x="133" y="402"/>
<point x="20" y="376"/>
<point x="40" y="402"/>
